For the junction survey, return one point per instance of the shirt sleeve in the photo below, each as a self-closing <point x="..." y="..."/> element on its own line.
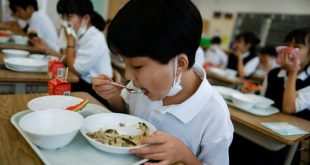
<point x="251" y="66"/>
<point x="216" y="153"/>
<point x="303" y="99"/>
<point x="86" y="56"/>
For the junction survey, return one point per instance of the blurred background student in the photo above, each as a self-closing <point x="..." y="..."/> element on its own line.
<point x="243" y="58"/>
<point x="215" y="55"/>
<point x="267" y="60"/>
<point x="289" y="85"/>
<point x="37" y="21"/>
<point x="87" y="52"/>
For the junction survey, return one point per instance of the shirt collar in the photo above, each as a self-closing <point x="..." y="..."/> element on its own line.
<point x="246" y="54"/>
<point x="188" y="109"/>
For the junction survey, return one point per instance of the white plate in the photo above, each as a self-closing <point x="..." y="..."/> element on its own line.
<point x="112" y="121"/>
<point x="225" y="91"/>
<point x="256" y="111"/>
<point x="25" y="62"/>
<point x="217" y="71"/>
<point x="40" y="70"/>
<point x="15" y="53"/>
<point x="53" y="102"/>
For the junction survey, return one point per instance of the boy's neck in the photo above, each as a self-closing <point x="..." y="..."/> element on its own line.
<point x="190" y="82"/>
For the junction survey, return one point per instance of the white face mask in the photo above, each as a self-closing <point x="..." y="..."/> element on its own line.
<point x="176" y="86"/>
<point x="82" y="29"/>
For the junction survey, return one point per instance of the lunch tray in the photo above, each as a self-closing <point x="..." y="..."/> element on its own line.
<point x="256" y="111"/>
<point x="79" y="151"/>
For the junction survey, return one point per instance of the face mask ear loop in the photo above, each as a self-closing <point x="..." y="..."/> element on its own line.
<point x="175" y="70"/>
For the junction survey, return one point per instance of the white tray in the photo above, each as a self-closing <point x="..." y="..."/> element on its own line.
<point x="79" y="151"/>
<point x="256" y="111"/>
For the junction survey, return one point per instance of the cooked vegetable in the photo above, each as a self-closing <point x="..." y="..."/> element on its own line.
<point x="112" y="137"/>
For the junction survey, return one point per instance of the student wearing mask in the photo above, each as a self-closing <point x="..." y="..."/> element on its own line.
<point x="38" y="21"/>
<point x="158" y="40"/>
<point x="243" y="59"/>
<point x="87" y="52"/>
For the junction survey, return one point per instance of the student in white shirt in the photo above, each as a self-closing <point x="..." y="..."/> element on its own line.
<point x="88" y="53"/>
<point x="158" y="47"/>
<point x="38" y="21"/>
<point x="243" y="59"/>
<point x="215" y="55"/>
<point x="199" y="57"/>
<point x="267" y="60"/>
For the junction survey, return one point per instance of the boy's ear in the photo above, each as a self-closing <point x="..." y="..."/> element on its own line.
<point x="182" y="63"/>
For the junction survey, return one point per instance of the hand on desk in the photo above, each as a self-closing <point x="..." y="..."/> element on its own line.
<point x="164" y="147"/>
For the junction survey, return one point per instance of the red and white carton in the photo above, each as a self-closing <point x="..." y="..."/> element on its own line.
<point x="56" y="68"/>
<point x="58" y="86"/>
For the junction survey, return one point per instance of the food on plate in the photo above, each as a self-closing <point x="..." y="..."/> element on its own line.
<point x="113" y="138"/>
<point x="78" y="106"/>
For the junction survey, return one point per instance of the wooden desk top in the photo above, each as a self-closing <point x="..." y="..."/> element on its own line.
<point x="27" y="77"/>
<point x="14" y="149"/>
<point x="253" y="122"/>
<point x="21" y="47"/>
<point x="229" y="80"/>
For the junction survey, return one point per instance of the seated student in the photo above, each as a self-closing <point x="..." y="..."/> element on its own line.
<point x="215" y="55"/>
<point x="243" y="59"/>
<point x="289" y="85"/>
<point x="38" y="21"/>
<point x="199" y="57"/>
<point x="88" y="54"/>
<point x="158" y="40"/>
<point x="267" y="59"/>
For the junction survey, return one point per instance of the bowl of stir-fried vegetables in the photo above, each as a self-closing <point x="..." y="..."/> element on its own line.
<point x="115" y="132"/>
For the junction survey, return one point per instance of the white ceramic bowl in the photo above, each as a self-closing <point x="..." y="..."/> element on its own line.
<point x="226" y="92"/>
<point x="231" y="73"/>
<point x="53" y="102"/>
<point x="261" y="101"/>
<point x="51" y="129"/>
<point x="112" y="121"/>
<point x="22" y="40"/>
<point x="241" y="100"/>
<point x="15" y="53"/>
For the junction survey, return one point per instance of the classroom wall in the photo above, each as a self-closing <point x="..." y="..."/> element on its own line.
<point x="224" y="27"/>
<point x="261" y="6"/>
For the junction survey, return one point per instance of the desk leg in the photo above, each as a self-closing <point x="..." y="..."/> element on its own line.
<point x="20" y="88"/>
<point x="290" y="154"/>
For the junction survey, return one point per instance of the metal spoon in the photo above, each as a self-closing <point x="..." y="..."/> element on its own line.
<point x="133" y="91"/>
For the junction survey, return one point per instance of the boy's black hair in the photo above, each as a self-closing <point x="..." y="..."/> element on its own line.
<point x="158" y="29"/>
<point x="249" y="38"/>
<point x="81" y="8"/>
<point x="216" y="40"/>
<point x="23" y="4"/>
<point x="268" y="50"/>
<point x="297" y="35"/>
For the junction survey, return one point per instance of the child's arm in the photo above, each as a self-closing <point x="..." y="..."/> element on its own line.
<point x="102" y="86"/>
<point x="289" y="95"/>
<point x="167" y="149"/>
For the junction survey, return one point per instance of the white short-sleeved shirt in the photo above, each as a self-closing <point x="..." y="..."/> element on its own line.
<point x="92" y="55"/>
<point x="216" y="56"/>
<point x="199" y="57"/>
<point x="251" y="65"/>
<point x="302" y="100"/>
<point x="202" y="121"/>
<point x="45" y="28"/>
